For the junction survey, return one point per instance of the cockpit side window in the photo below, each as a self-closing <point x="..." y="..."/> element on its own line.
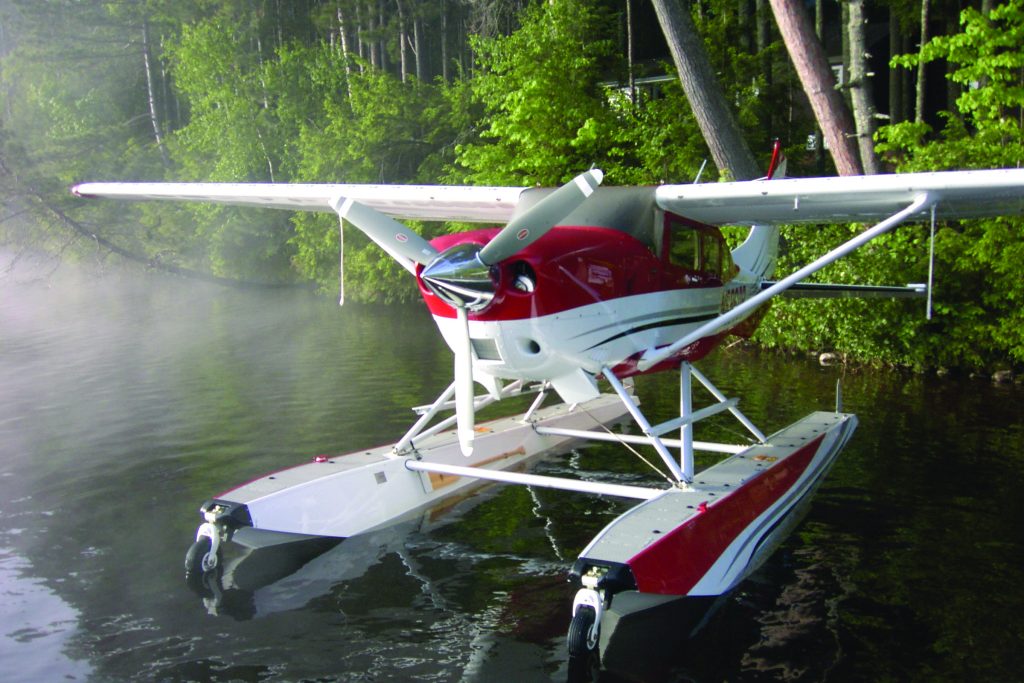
<point x="684" y="248"/>
<point x="695" y="254"/>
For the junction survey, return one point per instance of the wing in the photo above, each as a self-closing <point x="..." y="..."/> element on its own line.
<point x="960" y="194"/>
<point x="425" y="202"/>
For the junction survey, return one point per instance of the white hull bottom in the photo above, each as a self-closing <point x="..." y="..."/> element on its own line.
<point x="351" y="494"/>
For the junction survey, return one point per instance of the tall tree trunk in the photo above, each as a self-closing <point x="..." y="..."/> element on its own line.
<point x="986" y="9"/>
<point x="154" y="117"/>
<point x="819" y="31"/>
<point x="382" y="46"/>
<point x="744" y="21"/>
<point x="844" y="40"/>
<point x="897" y="111"/>
<point x="953" y="89"/>
<point x="919" y="99"/>
<point x="445" y="69"/>
<point x="629" y="51"/>
<point x="361" y="45"/>
<point x="343" y="35"/>
<point x="371" y="43"/>
<point x="762" y="17"/>
<point x="704" y="92"/>
<point x="763" y="32"/>
<point x="816" y="76"/>
<point x="417" y="48"/>
<point x="402" y="40"/>
<point x="864" y="112"/>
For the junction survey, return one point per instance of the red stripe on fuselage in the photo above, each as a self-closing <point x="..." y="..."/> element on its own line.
<point x="676" y="562"/>
<point x="574" y="266"/>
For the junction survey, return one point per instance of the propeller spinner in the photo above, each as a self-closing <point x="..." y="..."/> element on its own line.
<point x="461" y="275"/>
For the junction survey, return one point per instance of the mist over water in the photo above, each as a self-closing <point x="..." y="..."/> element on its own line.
<point x="128" y="400"/>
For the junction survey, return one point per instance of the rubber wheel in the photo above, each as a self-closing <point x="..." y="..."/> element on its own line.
<point x="579" y="630"/>
<point x="584" y="663"/>
<point x="194" y="560"/>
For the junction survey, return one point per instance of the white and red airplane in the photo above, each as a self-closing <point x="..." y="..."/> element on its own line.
<point x="585" y="283"/>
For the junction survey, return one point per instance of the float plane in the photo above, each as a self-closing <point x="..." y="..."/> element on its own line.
<point x="582" y="289"/>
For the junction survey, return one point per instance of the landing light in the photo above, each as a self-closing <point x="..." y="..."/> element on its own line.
<point x="524" y="279"/>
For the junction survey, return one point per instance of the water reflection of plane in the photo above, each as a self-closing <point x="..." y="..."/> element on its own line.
<point x="277" y="572"/>
<point x="265" y="579"/>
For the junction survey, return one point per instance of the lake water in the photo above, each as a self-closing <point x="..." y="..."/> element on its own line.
<point x="127" y="401"/>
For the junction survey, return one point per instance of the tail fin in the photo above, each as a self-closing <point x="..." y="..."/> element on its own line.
<point x="758" y="253"/>
<point x="777" y="166"/>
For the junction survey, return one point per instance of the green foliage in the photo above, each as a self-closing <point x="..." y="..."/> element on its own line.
<point x="978" y="308"/>
<point x="358" y="125"/>
<point x="546" y="117"/>
<point x="71" y="90"/>
<point x="303" y="113"/>
<point x="232" y="135"/>
<point x="68" y="114"/>
<point x="977" y="318"/>
<point x="658" y="140"/>
<point x="878" y="331"/>
<point x="985" y="131"/>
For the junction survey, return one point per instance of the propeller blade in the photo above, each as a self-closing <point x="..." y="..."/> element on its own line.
<point x="464" y="408"/>
<point x="400" y="241"/>
<point x="533" y="224"/>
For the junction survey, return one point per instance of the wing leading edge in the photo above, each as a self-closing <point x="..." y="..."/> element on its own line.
<point x="959" y="194"/>
<point x="417" y="202"/>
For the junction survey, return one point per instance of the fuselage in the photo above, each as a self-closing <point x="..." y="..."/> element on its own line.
<point x="587" y="297"/>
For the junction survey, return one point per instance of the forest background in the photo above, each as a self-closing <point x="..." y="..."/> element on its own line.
<point x="505" y="92"/>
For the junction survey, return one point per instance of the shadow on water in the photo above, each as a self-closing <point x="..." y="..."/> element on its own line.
<point x="125" y="403"/>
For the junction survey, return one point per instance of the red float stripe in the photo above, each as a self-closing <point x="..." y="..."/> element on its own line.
<point x="678" y="560"/>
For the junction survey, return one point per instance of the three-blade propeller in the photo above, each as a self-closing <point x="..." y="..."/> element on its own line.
<point x="461" y="274"/>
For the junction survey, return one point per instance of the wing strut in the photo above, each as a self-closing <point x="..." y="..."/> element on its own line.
<point x="931" y="267"/>
<point x="654" y="356"/>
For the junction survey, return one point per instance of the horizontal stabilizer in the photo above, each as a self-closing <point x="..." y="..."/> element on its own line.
<point x="818" y="290"/>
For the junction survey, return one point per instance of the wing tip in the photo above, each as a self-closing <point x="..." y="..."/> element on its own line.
<point x="77" y="191"/>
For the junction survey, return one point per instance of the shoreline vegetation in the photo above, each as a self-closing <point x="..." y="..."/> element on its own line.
<point x="33" y="268"/>
<point x="494" y="92"/>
